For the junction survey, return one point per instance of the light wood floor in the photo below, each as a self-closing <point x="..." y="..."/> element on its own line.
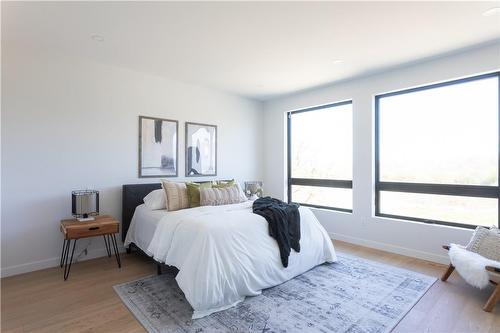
<point x="42" y="302"/>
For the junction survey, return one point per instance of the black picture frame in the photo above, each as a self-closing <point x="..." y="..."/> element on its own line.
<point x="164" y="161"/>
<point x="189" y="170"/>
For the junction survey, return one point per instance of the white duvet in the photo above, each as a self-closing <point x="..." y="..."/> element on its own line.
<point x="225" y="253"/>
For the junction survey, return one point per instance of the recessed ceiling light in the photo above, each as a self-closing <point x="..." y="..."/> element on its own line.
<point x="492" y="11"/>
<point x="97" y="38"/>
<point x="338" y="62"/>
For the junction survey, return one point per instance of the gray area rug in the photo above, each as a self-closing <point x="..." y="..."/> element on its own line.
<point x="351" y="295"/>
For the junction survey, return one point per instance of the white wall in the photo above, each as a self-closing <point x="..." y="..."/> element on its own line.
<point x="415" y="239"/>
<point x="70" y="124"/>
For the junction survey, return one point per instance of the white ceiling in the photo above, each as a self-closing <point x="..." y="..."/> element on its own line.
<point x="255" y="49"/>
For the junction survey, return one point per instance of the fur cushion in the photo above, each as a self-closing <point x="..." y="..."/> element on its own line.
<point x="471" y="266"/>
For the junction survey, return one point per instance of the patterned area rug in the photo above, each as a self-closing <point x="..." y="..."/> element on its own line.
<point x="351" y="295"/>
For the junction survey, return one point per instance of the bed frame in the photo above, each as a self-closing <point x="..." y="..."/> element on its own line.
<point x="132" y="196"/>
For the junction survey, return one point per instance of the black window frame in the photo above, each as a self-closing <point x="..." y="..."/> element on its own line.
<point x="477" y="191"/>
<point x="317" y="182"/>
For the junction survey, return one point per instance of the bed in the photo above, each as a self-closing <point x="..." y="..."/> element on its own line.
<point x="223" y="253"/>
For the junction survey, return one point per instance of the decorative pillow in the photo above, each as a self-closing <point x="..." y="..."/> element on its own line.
<point x="228" y="183"/>
<point x="193" y="192"/>
<point x="156" y="200"/>
<point x="219" y="196"/>
<point x="224" y="183"/>
<point x="176" y="193"/>
<point x="243" y="197"/>
<point x="486" y="242"/>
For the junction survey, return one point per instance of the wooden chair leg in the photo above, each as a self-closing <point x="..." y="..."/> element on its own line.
<point x="448" y="272"/>
<point x="492" y="301"/>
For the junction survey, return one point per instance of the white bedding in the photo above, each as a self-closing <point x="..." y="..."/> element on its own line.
<point x="225" y="253"/>
<point x="143" y="226"/>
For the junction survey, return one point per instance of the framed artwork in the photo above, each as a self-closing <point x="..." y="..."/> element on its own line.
<point x="158" y="152"/>
<point x="201" y="150"/>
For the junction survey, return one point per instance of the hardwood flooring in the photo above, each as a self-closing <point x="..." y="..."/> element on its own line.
<point x="42" y="302"/>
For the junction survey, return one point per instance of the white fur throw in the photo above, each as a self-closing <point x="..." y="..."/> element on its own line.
<point x="471" y="266"/>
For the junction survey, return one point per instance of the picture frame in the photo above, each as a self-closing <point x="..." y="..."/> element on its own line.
<point x="158" y="147"/>
<point x="200" y="149"/>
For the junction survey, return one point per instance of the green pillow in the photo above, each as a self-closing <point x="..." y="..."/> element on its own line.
<point x="193" y="192"/>
<point x="222" y="184"/>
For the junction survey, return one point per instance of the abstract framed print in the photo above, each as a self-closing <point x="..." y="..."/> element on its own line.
<point x="201" y="150"/>
<point x="158" y="147"/>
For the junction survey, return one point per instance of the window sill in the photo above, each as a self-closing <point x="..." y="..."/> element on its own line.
<point x="340" y="210"/>
<point x="403" y="219"/>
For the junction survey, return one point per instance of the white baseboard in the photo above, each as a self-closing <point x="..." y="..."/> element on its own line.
<point x="96" y="253"/>
<point x="52" y="262"/>
<point x="441" y="259"/>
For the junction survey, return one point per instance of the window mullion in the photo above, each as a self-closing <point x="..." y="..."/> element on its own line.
<point x="442" y="189"/>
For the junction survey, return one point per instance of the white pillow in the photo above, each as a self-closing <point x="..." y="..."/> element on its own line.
<point x="156" y="200"/>
<point x="242" y="195"/>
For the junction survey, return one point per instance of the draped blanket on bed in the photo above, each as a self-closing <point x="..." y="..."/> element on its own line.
<point x="284" y="224"/>
<point x="225" y="253"/>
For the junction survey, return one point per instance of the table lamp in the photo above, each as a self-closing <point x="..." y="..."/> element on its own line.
<point x="85" y="204"/>
<point x="253" y="189"/>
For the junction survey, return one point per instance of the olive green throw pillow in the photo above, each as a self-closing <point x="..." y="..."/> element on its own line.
<point x="193" y="192"/>
<point x="223" y="183"/>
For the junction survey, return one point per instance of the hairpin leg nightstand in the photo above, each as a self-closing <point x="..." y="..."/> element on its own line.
<point x="72" y="229"/>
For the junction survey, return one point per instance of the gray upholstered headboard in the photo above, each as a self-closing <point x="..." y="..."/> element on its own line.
<point x="132" y="196"/>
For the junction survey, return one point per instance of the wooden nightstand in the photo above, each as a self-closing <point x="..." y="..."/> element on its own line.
<point x="72" y="229"/>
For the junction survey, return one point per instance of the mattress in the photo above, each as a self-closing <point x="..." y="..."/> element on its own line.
<point x="143" y="226"/>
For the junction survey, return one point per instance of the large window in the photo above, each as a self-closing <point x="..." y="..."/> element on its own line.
<point x="437" y="154"/>
<point x="320" y="156"/>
